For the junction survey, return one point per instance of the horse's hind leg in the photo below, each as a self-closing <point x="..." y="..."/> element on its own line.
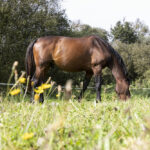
<point x="86" y="82"/>
<point x="38" y="80"/>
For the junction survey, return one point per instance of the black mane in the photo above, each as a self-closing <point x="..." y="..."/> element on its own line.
<point x="120" y="61"/>
<point x="119" y="58"/>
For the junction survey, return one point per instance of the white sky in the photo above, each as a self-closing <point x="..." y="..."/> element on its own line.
<point x="105" y="13"/>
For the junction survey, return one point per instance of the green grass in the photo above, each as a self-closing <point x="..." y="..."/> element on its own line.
<point x="69" y="125"/>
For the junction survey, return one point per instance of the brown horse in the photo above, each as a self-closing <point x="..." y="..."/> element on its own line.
<point x="90" y="54"/>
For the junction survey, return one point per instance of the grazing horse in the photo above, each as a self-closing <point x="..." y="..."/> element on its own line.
<point x="90" y="54"/>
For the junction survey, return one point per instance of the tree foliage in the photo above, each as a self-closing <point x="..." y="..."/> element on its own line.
<point x="142" y="32"/>
<point x="25" y="20"/>
<point x="136" y="57"/>
<point x="80" y="30"/>
<point x="124" y="32"/>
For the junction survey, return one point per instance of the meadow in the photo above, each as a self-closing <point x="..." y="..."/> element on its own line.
<point x="60" y="124"/>
<point x="68" y="125"/>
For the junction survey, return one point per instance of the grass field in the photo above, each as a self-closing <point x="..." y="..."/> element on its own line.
<point x="69" y="125"/>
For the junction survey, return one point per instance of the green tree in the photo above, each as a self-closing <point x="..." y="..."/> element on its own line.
<point x="124" y="32"/>
<point x="136" y="57"/>
<point x="142" y="31"/>
<point x="21" y="21"/>
<point x="80" y="30"/>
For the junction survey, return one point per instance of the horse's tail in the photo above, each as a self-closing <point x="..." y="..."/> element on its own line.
<point x="29" y="62"/>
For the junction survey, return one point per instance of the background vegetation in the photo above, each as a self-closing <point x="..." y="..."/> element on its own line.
<point x="62" y="124"/>
<point x="22" y="21"/>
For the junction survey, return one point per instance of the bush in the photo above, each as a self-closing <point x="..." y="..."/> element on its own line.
<point x="136" y="57"/>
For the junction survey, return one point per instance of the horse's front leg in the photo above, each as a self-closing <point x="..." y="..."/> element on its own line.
<point x="86" y="82"/>
<point x="98" y="83"/>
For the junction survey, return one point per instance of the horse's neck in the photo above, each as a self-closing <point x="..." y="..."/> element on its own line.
<point x="117" y="70"/>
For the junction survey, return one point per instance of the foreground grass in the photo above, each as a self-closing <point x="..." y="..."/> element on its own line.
<point x="59" y="124"/>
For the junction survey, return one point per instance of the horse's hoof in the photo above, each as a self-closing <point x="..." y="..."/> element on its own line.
<point x="98" y="100"/>
<point x="79" y="100"/>
<point x="41" y="101"/>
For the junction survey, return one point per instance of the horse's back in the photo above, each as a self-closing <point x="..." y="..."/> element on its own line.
<point x="73" y="54"/>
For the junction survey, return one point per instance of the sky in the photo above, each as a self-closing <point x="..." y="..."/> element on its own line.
<point x="105" y="13"/>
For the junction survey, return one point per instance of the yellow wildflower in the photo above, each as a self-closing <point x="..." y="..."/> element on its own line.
<point x="32" y="83"/>
<point x="58" y="95"/>
<point x="36" y="97"/>
<point x="41" y="88"/>
<point x="15" y="92"/>
<point x="38" y="91"/>
<point x="27" y="136"/>
<point x="45" y="86"/>
<point x="22" y="80"/>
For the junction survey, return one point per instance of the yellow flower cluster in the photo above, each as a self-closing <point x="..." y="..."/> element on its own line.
<point x="15" y="91"/>
<point x="36" y="97"/>
<point x="27" y="136"/>
<point x="41" y="88"/>
<point x="58" y="95"/>
<point x="46" y="86"/>
<point x="32" y="83"/>
<point x="22" y="80"/>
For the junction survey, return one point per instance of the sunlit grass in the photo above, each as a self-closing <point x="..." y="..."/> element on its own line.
<point x="61" y="124"/>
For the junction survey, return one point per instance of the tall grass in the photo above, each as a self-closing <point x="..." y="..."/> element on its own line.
<point x="60" y="124"/>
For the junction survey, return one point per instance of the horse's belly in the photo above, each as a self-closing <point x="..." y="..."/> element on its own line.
<point x="72" y="65"/>
<point x="69" y="67"/>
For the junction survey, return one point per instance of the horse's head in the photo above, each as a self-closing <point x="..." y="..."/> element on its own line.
<point x="122" y="89"/>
